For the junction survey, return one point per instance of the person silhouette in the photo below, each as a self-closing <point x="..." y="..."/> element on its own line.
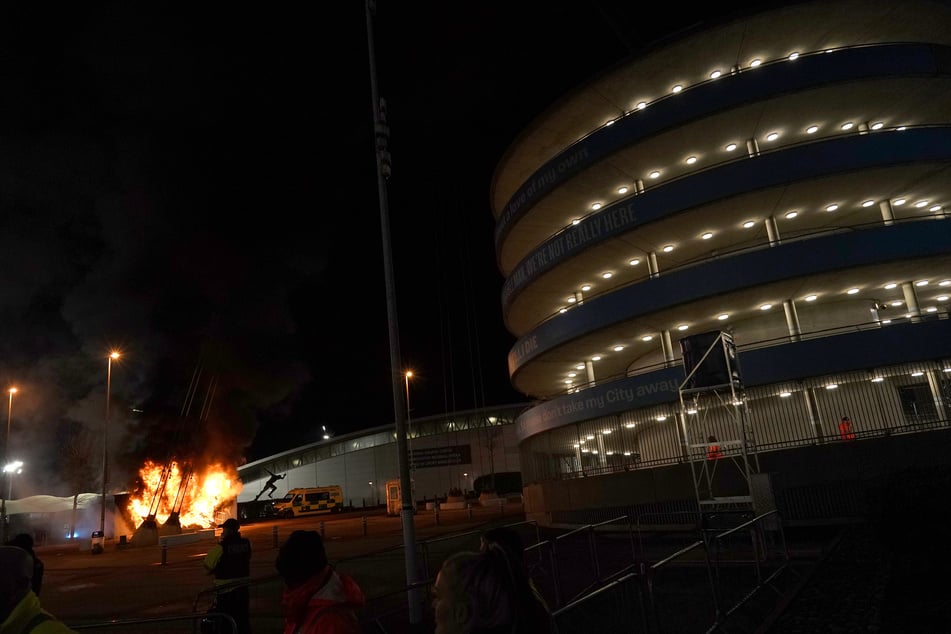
<point x="269" y="486"/>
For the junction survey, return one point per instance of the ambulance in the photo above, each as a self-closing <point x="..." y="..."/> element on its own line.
<point x="310" y="501"/>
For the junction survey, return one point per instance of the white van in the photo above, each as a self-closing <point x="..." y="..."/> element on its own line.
<point x="310" y="501"/>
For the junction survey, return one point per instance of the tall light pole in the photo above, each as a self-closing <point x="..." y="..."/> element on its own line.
<point x="105" y="454"/>
<point x="383" y="169"/>
<point x="409" y="422"/>
<point x="6" y="456"/>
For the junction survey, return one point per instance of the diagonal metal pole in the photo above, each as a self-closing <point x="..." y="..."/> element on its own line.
<point x="381" y="134"/>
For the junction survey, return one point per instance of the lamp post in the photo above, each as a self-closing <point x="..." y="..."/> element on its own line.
<point x="409" y="420"/>
<point x="105" y="455"/>
<point x="372" y="497"/>
<point x="12" y="469"/>
<point x="6" y="456"/>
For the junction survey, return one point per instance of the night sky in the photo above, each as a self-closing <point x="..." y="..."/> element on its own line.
<point x="197" y="188"/>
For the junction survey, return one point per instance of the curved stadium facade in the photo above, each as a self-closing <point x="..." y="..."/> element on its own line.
<point x="777" y="186"/>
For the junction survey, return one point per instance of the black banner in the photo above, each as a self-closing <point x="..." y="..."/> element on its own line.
<point x="440" y="456"/>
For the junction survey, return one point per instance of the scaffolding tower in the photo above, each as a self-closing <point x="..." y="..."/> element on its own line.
<point x="717" y="432"/>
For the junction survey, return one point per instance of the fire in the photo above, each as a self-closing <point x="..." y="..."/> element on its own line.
<point x="205" y="490"/>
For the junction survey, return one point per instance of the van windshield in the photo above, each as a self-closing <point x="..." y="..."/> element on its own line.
<point x="288" y="497"/>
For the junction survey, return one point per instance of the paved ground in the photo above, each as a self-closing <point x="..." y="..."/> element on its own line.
<point x="134" y="583"/>
<point x="886" y="577"/>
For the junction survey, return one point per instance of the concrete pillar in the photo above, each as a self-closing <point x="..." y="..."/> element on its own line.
<point x="792" y="320"/>
<point x="589" y="370"/>
<point x="652" y="269"/>
<point x="888" y="214"/>
<point x="911" y="301"/>
<point x="934" y="384"/>
<point x="772" y="231"/>
<point x="752" y="148"/>
<point x="668" y="347"/>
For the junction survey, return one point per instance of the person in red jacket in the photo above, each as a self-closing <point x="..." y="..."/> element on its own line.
<point x="845" y="429"/>
<point x="713" y="449"/>
<point x="317" y="599"/>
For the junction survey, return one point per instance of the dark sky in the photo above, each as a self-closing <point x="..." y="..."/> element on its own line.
<point x="197" y="187"/>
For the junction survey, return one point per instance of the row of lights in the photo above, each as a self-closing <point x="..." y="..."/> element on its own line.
<point x="732" y="146"/>
<point x="694" y="410"/>
<point x="875" y="379"/>
<point x="729" y="147"/>
<point x="571" y="375"/>
<point x="748" y="224"/>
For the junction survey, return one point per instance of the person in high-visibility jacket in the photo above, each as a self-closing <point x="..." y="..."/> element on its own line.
<point x="845" y="429"/>
<point x="230" y="562"/>
<point x="713" y="449"/>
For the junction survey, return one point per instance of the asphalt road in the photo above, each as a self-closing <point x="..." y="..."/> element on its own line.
<point x="117" y="590"/>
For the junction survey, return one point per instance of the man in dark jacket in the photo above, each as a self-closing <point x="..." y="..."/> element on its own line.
<point x="230" y="562"/>
<point x="25" y="541"/>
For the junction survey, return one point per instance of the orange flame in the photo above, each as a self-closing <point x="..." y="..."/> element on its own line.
<point x="205" y="490"/>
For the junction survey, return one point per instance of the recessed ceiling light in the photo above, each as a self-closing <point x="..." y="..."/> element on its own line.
<point x="572" y="375"/>
<point x="622" y="190"/>
<point x="748" y="224"/>
<point x="715" y="74"/>
<point x="723" y="316"/>
<point x="765" y="306"/>
<point x="730" y="147"/>
<point x="576" y="221"/>
<point x="755" y="63"/>
<point x="586" y="287"/>
<point x="791" y="214"/>
<point x="831" y="386"/>
<point x="690" y="160"/>
<point x="634" y="262"/>
<point x="607" y="275"/>
<point x="921" y="283"/>
<point x="895" y="302"/>
<point x="596" y="357"/>
<point x="811" y="298"/>
<point x="682" y="327"/>
<point x="629" y="426"/>
<point x="562" y="310"/>
<point x="935" y="208"/>
<point x="944" y="283"/>
<point x="707" y="235"/>
<point x="676" y="89"/>
<point x="812" y="129"/>
<point x="878" y="379"/>
<point x="654" y="174"/>
<point x="852" y="291"/>
<point x="942" y="298"/>
<point x="832" y="207"/>
<point x="609" y="122"/>
<point x="785" y="394"/>
<point x="794" y="55"/>
<point x="878" y="125"/>
<point x="580" y="366"/>
<point x="568" y="381"/>
<point x="596" y="206"/>
<point x="917" y="373"/>
<point x="921" y="203"/>
<point x="661" y="418"/>
<point x="647" y="337"/>
<point x="618" y="348"/>
<point x="847" y="125"/>
<point x="668" y="248"/>
<point x="898" y="202"/>
<point x="772" y="136"/>
<point x="572" y="300"/>
<point x="868" y="203"/>
<point x="890" y="286"/>
<point x="641" y="105"/>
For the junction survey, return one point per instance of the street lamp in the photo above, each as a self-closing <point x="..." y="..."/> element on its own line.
<point x="372" y="500"/>
<point x="409" y="424"/>
<point x="105" y="455"/>
<point x="6" y="456"/>
<point x="12" y="469"/>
